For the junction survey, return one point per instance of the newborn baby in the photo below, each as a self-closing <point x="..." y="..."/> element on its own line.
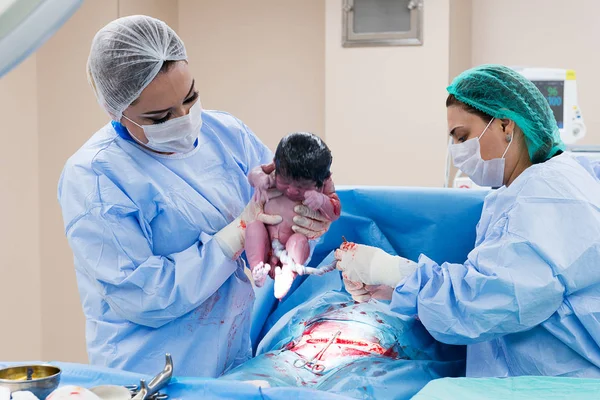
<point x="302" y="173"/>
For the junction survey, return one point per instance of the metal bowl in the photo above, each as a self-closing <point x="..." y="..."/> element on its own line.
<point x="41" y="380"/>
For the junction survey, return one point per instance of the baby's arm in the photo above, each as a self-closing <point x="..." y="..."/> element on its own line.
<point x="328" y="202"/>
<point x="260" y="181"/>
<point x="258" y="178"/>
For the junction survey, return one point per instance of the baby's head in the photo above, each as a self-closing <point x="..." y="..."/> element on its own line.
<point x="302" y="163"/>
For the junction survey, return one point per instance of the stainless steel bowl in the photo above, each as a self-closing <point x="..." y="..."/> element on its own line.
<point x="41" y="380"/>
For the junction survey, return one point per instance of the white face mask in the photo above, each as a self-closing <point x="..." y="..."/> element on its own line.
<point x="467" y="157"/>
<point x="176" y="135"/>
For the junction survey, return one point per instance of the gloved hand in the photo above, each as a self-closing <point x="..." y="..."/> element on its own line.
<point x="311" y="224"/>
<point x="372" y="266"/>
<point x="363" y="293"/>
<point x="232" y="239"/>
<point x="357" y="290"/>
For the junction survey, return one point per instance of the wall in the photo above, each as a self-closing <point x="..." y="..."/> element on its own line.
<point x="68" y="116"/>
<point x="263" y="61"/>
<point x="544" y="33"/>
<point x="384" y="107"/>
<point x="20" y="227"/>
<point x="460" y="41"/>
<point x="460" y="37"/>
<point x="166" y="10"/>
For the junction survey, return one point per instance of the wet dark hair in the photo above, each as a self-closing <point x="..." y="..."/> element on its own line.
<point x="303" y="155"/>
<point x="453" y="101"/>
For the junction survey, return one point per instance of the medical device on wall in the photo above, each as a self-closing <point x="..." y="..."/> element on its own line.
<point x="26" y="24"/>
<point x="559" y="87"/>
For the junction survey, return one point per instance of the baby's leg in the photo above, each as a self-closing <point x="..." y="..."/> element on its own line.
<point x="258" y="245"/>
<point x="298" y="249"/>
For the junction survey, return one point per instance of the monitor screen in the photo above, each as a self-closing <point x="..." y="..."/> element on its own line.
<point x="554" y="91"/>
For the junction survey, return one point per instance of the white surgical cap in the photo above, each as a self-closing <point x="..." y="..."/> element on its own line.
<point x="126" y="55"/>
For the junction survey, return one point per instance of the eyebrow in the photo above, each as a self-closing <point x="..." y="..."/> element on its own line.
<point x="149" y="113"/>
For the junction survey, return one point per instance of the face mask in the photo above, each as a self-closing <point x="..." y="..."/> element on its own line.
<point x="176" y="135"/>
<point x="467" y="157"/>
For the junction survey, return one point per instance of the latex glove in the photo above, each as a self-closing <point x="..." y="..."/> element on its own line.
<point x="357" y="290"/>
<point x="314" y="200"/>
<point x="380" y="292"/>
<point x="232" y="239"/>
<point x="311" y="224"/>
<point x="262" y="182"/>
<point x="362" y="293"/>
<point x="371" y="265"/>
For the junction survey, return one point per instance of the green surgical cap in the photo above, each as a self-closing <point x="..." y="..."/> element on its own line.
<point x="504" y="93"/>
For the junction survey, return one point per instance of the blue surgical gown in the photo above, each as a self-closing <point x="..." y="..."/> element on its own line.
<point x="151" y="278"/>
<point x="527" y="300"/>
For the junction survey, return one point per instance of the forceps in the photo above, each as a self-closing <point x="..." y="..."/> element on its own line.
<point x="316" y="367"/>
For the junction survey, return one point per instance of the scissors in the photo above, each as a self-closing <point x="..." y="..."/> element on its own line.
<point x="315" y="366"/>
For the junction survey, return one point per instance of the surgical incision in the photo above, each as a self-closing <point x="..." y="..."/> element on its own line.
<point x="325" y="344"/>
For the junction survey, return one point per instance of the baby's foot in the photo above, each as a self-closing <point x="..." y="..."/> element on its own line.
<point x="284" y="277"/>
<point x="259" y="273"/>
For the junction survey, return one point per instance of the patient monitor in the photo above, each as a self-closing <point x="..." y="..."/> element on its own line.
<point x="26" y="24"/>
<point x="559" y="87"/>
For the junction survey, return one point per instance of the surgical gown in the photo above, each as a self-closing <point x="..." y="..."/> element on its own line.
<point x="151" y="278"/>
<point x="526" y="301"/>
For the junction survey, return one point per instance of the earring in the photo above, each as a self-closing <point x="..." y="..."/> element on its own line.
<point x="509" y="137"/>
